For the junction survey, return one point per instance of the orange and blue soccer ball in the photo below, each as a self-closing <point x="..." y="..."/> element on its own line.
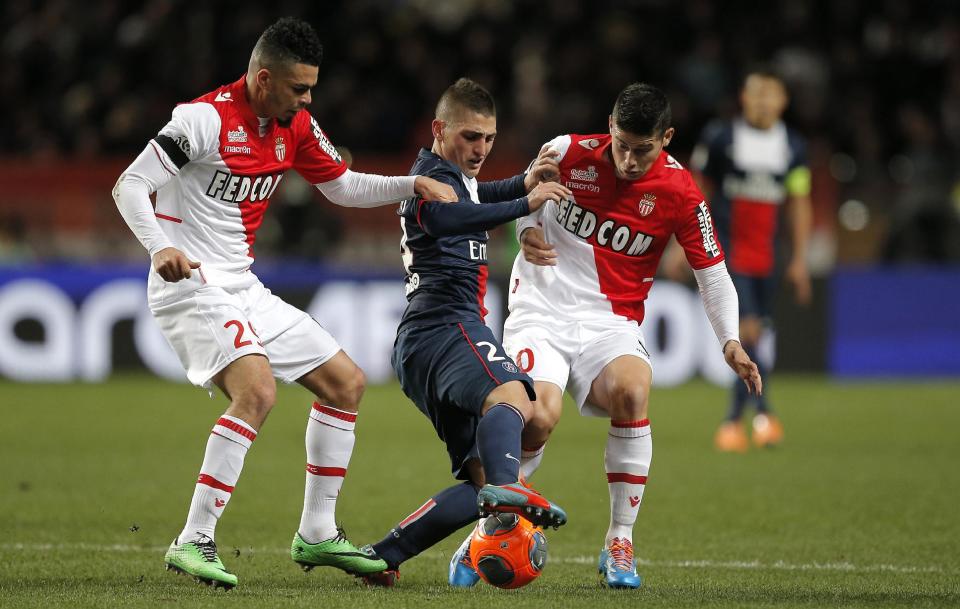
<point x="508" y="551"/>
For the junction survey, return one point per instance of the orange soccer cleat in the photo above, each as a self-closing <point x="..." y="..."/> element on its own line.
<point x="731" y="438"/>
<point x="767" y="431"/>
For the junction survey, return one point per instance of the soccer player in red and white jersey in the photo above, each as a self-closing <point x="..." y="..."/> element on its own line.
<point x="213" y="168"/>
<point x="578" y="288"/>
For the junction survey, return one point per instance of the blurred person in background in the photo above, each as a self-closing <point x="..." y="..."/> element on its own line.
<point x="752" y="169"/>
<point x="213" y="168"/>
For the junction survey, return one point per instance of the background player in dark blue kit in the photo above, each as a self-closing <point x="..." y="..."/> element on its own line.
<point x="449" y="363"/>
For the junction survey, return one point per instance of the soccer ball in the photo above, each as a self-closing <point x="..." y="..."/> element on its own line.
<point x="508" y="551"/>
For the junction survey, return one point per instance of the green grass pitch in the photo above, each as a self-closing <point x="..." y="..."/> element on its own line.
<point x="859" y="508"/>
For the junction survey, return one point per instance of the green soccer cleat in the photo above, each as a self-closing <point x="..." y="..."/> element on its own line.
<point x="336" y="552"/>
<point x="199" y="559"/>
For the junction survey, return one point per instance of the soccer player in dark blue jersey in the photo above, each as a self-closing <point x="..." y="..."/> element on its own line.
<point x="448" y="361"/>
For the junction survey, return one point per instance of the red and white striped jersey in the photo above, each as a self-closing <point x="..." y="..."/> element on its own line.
<point x="225" y="168"/>
<point x="610" y="235"/>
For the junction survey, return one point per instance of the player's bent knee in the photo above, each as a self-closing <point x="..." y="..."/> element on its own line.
<point x="629" y="401"/>
<point x="349" y="391"/>
<point x="258" y="397"/>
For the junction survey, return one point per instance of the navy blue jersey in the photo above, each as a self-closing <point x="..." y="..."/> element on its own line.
<point x="752" y="172"/>
<point x="444" y="245"/>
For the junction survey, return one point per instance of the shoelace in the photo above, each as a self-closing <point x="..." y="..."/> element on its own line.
<point x="621" y="551"/>
<point x="341" y="535"/>
<point x="207" y="547"/>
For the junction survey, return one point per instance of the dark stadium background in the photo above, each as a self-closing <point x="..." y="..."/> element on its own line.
<point x="875" y="89"/>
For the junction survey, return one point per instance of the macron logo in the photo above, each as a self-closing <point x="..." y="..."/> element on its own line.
<point x="223" y="96"/>
<point x="634" y="501"/>
<point x="219" y="502"/>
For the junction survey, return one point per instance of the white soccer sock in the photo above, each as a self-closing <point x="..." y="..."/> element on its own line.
<point x="226" y="448"/>
<point x="530" y="458"/>
<point x="627" y="460"/>
<point x="329" y="442"/>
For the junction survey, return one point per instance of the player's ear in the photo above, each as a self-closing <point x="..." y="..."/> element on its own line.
<point x="263" y="78"/>
<point x="667" y="136"/>
<point x="436" y="127"/>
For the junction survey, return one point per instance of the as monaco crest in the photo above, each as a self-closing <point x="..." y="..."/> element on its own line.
<point x="280" y="149"/>
<point x="647" y="203"/>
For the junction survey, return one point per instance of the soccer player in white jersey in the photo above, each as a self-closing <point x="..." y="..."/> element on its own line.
<point x="577" y="296"/>
<point x="213" y="168"/>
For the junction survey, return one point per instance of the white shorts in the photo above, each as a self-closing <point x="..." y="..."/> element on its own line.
<point x="574" y="352"/>
<point x="210" y="326"/>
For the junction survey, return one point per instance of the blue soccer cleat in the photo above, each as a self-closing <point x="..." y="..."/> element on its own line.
<point x="617" y="567"/>
<point x="461" y="573"/>
<point x="520" y="499"/>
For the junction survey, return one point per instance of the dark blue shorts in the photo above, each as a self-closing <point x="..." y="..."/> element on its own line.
<point x="448" y="371"/>
<point x="756" y="295"/>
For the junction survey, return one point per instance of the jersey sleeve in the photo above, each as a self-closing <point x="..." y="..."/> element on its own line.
<point x="798" y="179"/>
<point x="317" y="160"/>
<point x="193" y="133"/>
<point x="694" y="228"/>
<point x="561" y="144"/>
<point x="439" y="219"/>
<point x="501" y="190"/>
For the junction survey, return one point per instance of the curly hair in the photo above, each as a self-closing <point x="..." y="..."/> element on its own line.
<point x="289" y="40"/>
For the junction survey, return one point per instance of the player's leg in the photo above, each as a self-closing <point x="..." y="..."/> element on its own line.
<point x="766" y="427"/>
<point x="214" y="340"/>
<point x="544" y="353"/>
<point x="338" y="385"/>
<point x="430" y="364"/>
<point x="731" y="435"/>
<point x="546" y="414"/>
<point x="248" y="383"/>
<point x="622" y="390"/>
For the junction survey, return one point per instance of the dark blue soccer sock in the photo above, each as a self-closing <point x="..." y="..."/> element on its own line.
<point x="435" y="520"/>
<point x="761" y="400"/>
<point x="498" y="442"/>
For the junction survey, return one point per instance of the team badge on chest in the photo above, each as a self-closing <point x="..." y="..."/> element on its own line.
<point x="280" y="149"/>
<point x="647" y="204"/>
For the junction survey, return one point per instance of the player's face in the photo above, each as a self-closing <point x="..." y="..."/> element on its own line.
<point x="287" y="90"/>
<point x="633" y="154"/>
<point x="466" y="140"/>
<point x="763" y="99"/>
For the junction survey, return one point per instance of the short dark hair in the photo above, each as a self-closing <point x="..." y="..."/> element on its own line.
<point x="763" y="70"/>
<point x="642" y="109"/>
<point x="466" y="94"/>
<point x="289" y="40"/>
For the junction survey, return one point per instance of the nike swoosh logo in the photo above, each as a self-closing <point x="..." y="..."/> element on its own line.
<point x="509" y="456"/>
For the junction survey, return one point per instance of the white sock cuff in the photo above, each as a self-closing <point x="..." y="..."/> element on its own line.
<point x="333" y="417"/>
<point x="529" y="452"/>
<point x="630" y="429"/>
<point x="235" y="430"/>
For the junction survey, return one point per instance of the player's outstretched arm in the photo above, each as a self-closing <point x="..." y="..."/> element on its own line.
<point x="445" y="219"/>
<point x="355" y="189"/>
<point x="746" y="369"/>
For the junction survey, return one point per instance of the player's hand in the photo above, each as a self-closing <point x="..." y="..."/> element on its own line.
<point x="429" y="189"/>
<point x="173" y="265"/>
<point x="535" y="248"/>
<point x="741" y="363"/>
<point x="799" y="277"/>
<point x="545" y="168"/>
<point x="546" y="191"/>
